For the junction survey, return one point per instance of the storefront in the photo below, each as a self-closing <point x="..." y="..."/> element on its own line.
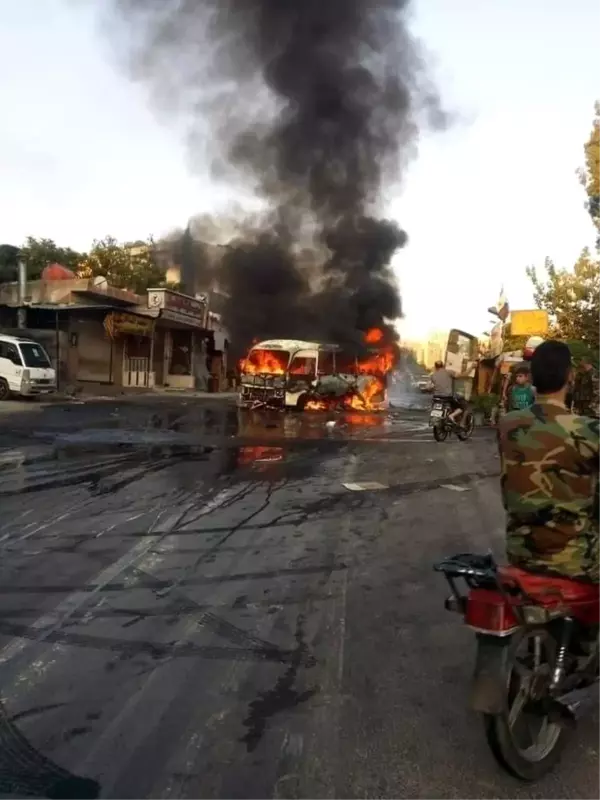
<point x="180" y="340"/>
<point x="131" y="338"/>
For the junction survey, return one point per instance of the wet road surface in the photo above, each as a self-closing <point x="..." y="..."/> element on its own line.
<point x="243" y="607"/>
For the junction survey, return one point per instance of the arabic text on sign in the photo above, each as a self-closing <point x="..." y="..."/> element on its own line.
<point x="127" y="323"/>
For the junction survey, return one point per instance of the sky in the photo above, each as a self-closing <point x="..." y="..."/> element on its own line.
<point x="82" y="154"/>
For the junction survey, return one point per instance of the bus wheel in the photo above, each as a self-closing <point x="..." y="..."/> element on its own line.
<point x="301" y="404"/>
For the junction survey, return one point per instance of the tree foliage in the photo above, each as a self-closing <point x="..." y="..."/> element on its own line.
<point x="590" y="174"/>
<point x="38" y="253"/>
<point x="510" y="342"/>
<point x="581" y="350"/>
<point x="571" y="298"/>
<point x="133" y="267"/>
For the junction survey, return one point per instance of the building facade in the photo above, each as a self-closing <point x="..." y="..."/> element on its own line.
<point x="98" y="334"/>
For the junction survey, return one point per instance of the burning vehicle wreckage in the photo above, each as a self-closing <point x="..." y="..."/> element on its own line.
<point x="314" y="376"/>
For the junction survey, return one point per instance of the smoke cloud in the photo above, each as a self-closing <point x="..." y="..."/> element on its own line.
<point x="315" y="106"/>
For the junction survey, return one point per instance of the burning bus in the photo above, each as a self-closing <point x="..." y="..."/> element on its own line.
<point x="315" y="376"/>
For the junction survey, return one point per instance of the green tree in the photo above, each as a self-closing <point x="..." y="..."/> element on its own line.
<point x="590" y="174"/>
<point x="571" y="298"/>
<point x="580" y="350"/>
<point x="9" y="257"/>
<point x="511" y="342"/>
<point x="133" y="267"/>
<point x="38" y="253"/>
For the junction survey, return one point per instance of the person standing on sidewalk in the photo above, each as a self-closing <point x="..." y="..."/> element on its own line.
<point x="586" y="391"/>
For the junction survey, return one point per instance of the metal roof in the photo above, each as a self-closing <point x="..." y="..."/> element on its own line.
<point x="292" y="344"/>
<point x="63" y="306"/>
<point x="117" y="296"/>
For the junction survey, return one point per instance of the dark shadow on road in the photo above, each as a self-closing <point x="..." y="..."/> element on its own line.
<point x="24" y="771"/>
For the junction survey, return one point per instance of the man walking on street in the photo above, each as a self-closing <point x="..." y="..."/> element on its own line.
<point x="586" y="392"/>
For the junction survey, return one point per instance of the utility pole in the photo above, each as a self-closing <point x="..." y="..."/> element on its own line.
<point x="22" y="310"/>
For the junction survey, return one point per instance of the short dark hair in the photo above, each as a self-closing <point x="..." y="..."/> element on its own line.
<point x="550" y="367"/>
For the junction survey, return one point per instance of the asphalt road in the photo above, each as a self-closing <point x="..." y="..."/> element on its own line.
<point x="198" y="606"/>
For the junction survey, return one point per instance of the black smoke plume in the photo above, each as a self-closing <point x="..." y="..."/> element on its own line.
<point x="315" y="104"/>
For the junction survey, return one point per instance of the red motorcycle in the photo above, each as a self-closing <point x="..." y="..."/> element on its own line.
<point x="536" y="669"/>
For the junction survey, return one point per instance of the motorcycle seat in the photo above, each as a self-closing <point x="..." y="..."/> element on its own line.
<point x="549" y="590"/>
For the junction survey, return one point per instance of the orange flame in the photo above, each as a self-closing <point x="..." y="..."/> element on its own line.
<point x="373" y="335"/>
<point x="250" y="454"/>
<point x="366" y="420"/>
<point x="377" y="364"/>
<point x="264" y="362"/>
<point x="316" y="405"/>
<point x="365" y="400"/>
<point x="380" y="362"/>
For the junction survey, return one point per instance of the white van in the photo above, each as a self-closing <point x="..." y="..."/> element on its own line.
<point x="25" y="368"/>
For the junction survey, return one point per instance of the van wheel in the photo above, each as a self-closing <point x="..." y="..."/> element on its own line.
<point x="4" y="390"/>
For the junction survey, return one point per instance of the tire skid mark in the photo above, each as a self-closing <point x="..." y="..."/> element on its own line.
<point x="158" y="651"/>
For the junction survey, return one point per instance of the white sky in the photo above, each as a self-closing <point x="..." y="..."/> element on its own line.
<point x="82" y="156"/>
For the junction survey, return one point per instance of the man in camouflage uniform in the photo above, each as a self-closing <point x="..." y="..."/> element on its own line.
<point x="586" y="393"/>
<point x="549" y="482"/>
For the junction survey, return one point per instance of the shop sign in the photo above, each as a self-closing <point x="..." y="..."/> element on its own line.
<point x="182" y="319"/>
<point x="533" y="322"/>
<point x="119" y="322"/>
<point x="181" y="304"/>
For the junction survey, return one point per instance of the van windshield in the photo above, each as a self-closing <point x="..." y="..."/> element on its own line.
<point x="34" y="355"/>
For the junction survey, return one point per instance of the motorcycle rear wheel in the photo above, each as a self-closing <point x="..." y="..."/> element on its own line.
<point x="440" y="432"/>
<point x="465" y="431"/>
<point x="547" y="739"/>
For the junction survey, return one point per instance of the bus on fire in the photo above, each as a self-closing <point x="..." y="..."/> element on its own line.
<point x="313" y="376"/>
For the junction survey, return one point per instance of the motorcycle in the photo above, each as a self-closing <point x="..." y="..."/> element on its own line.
<point x="443" y="426"/>
<point x="536" y="668"/>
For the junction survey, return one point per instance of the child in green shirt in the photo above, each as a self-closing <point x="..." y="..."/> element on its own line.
<point x="521" y="394"/>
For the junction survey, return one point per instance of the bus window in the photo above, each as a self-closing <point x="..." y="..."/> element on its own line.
<point x="303" y="365"/>
<point x="345" y="364"/>
<point x="326" y="362"/>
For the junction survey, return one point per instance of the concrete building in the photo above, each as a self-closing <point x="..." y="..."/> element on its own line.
<point x="430" y="349"/>
<point x="97" y="333"/>
<point x="205" y="286"/>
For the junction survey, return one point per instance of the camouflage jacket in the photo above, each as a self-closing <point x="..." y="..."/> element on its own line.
<point x="586" y="393"/>
<point x="549" y="482"/>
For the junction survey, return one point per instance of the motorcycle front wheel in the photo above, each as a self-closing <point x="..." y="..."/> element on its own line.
<point x="523" y="739"/>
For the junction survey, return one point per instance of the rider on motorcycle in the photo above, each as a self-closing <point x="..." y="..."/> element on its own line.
<point x="549" y="483"/>
<point x="443" y="387"/>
